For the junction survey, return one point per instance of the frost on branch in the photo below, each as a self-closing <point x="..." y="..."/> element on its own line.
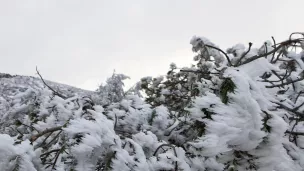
<point x="112" y="91"/>
<point x="239" y="109"/>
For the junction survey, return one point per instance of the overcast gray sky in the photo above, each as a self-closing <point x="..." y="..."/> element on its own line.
<point x="80" y="43"/>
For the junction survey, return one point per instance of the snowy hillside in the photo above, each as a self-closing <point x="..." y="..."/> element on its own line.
<point x="13" y="87"/>
<point x="14" y="82"/>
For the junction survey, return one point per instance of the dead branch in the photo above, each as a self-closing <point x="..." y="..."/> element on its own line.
<point x="115" y="123"/>
<point x="49" y="152"/>
<point x="54" y="91"/>
<point x="56" y="136"/>
<point x="43" y="142"/>
<point x="286" y="83"/>
<point x="281" y="79"/>
<point x="290" y="36"/>
<point x="49" y="130"/>
<point x="248" y="60"/>
<point x="301" y="92"/>
<point x="57" y="155"/>
<point x="295" y="133"/>
<point x="239" y="61"/>
<point x="266" y="50"/>
<point x="274" y="44"/>
<point x="298" y="107"/>
<point x="227" y="57"/>
<point x="299" y="114"/>
<point x="194" y="71"/>
<point x="168" y="145"/>
<point x="282" y="44"/>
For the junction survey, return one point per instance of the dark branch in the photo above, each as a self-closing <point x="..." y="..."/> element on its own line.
<point x="285" y="43"/>
<point x="239" y="61"/>
<point x="298" y="107"/>
<point x="49" y="130"/>
<point x="299" y="114"/>
<point x="227" y="57"/>
<point x="301" y="92"/>
<point x="302" y="33"/>
<point x="248" y="60"/>
<point x="57" y="155"/>
<point x="286" y="83"/>
<point x="56" y="136"/>
<point x="49" y="152"/>
<point x="168" y="145"/>
<point x="54" y="91"/>
<point x="295" y="133"/>
<point x="274" y="44"/>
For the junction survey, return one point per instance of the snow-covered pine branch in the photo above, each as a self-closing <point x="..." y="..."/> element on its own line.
<point x="239" y="109"/>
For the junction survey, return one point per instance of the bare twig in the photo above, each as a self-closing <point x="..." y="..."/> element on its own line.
<point x="281" y="79"/>
<point x="57" y="155"/>
<point x="266" y="50"/>
<point x="49" y="152"/>
<point x="29" y="126"/>
<point x="278" y="56"/>
<point x="299" y="114"/>
<point x="286" y="83"/>
<point x="115" y="123"/>
<point x="194" y="71"/>
<point x="285" y="43"/>
<point x="298" y="107"/>
<point x="227" y="57"/>
<point x="44" y="140"/>
<point x="53" y="139"/>
<point x="295" y="133"/>
<point x="54" y="91"/>
<point x="302" y="33"/>
<point x="301" y="92"/>
<point x="36" y="136"/>
<point x="274" y="44"/>
<point x="248" y="60"/>
<point x="275" y="73"/>
<point x="168" y="145"/>
<point x="19" y="132"/>
<point x="294" y="136"/>
<point x="239" y="61"/>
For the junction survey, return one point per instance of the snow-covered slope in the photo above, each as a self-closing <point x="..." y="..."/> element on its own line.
<point x="14" y="87"/>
